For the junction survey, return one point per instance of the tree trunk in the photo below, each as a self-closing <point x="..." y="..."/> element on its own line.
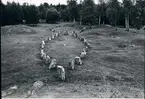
<point x="127" y="22"/>
<point x="115" y="24"/>
<point x="74" y="20"/>
<point x="81" y="20"/>
<point x="99" y="20"/>
<point x="103" y="22"/>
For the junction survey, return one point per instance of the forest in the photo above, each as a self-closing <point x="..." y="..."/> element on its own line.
<point x="128" y="13"/>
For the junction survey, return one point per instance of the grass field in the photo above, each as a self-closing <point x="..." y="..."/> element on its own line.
<point x="114" y="66"/>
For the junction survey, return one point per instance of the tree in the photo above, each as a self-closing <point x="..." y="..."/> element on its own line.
<point x="113" y="10"/>
<point x="31" y="14"/>
<point x="80" y="7"/>
<point x="12" y="13"/>
<point x="64" y="14"/>
<point x="88" y="12"/>
<point x="52" y="15"/>
<point x="2" y="16"/>
<point x="140" y="13"/>
<point x="42" y="10"/>
<point x="102" y="11"/>
<point x="73" y="10"/>
<point x="127" y="5"/>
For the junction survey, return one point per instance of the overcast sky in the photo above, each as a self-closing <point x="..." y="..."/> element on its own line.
<point x="38" y="2"/>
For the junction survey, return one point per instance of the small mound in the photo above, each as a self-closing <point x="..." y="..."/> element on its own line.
<point x="127" y="79"/>
<point x="16" y="29"/>
<point x="122" y="45"/>
<point x="112" y="78"/>
<point x="94" y="33"/>
<point x="115" y="59"/>
<point x="140" y="42"/>
<point x="117" y="33"/>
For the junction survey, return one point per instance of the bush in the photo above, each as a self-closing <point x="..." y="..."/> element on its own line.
<point x="32" y="15"/>
<point x="52" y="15"/>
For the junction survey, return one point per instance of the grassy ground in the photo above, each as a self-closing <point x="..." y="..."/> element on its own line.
<point x="114" y="67"/>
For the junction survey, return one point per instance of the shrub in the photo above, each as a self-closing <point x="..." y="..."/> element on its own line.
<point x="52" y="15"/>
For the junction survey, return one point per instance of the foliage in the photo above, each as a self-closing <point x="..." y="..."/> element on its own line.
<point x="112" y="12"/>
<point x="52" y="15"/>
<point x="88" y="12"/>
<point x="73" y="10"/>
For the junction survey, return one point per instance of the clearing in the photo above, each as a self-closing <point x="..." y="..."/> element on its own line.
<point x="114" y="66"/>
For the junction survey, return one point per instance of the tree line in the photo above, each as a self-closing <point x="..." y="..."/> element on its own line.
<point x="128" y="13"/>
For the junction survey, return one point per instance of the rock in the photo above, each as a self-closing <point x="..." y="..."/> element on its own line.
<point x="46" y="40"/>
<point x="83" y="54"/>
<point x="78" y="61"/>
<point x="56" y="34"/>
<point x="85" y="42"/>
<point x="66" y="32"/>
<point x="53" y="64"/>
<point x="82" y="39"/>
<point x="3" y="93"/>
<point x="38" y="84"/>
<point x="133" y="45"/>
<point x="49" y="38"/>
<point x="53" y="30"/>
<point x="88" y="45"/>
<point x="72" y="64"/>
<point x="75" y="35"/>
<point x="64" y="44"/>
<point x="11" y="90"/>
<point x="53" y="37"/>
<point x="41" y="53"/>
<point x="86" y="49"/>
<point x="14" y="87"/>
<point x="47" y="60"/>
<point x="61" y="72"/>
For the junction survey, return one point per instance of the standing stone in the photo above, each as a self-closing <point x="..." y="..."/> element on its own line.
<point x="75" y="35"/>
<point x="52" y="64"/>
<point x="53" y="37"/>
<point x="83" y="54"/>
<point x="36" y="86"/>
<point x="61" y="72"/>
<point x="47" y="60"/>
<point x="85" y="41"/>
<point x="72" y="64"/>
<point x="44" y="56"/>
<point x="53" y="30"/>
<point x="88" y="45"/>
<point x="56" y="34"/>
<point x="49" y="38"/>
<point x="78" y="61"/>
<point x="87" y="49"/>
<point x="82" y="39"/>
<point x="66" y="32"/>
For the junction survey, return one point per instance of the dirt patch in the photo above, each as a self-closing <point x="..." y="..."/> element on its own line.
<point x="112" y="78"/>
<point x="122" y="44"/>
<point x="115" y="59"/>
<point x="118" y="33"/>
<point x="140" y="42"/>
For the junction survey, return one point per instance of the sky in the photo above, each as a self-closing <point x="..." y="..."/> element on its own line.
<point x="38" y="2"/>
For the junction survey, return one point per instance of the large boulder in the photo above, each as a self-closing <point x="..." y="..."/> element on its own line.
<point x="72" y="64"/>
<point x="61" y="72"/>
<point x="78" y="61"/>
<point x="53" y="64"/>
